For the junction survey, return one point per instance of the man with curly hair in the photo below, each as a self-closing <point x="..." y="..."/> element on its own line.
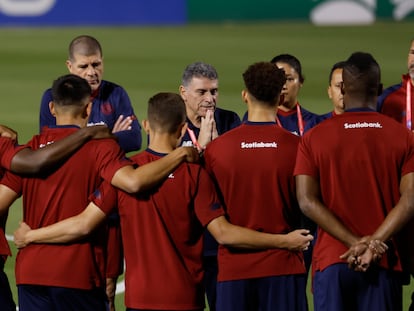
<point x="252" y="166"/>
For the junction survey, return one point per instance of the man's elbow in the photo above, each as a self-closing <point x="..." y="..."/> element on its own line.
<point x="305" y="204"/>
<point x="82" y="230"/>
<point x="130" y="185"/>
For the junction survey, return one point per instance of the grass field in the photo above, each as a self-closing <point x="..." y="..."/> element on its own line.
<point x="147" y="60"/>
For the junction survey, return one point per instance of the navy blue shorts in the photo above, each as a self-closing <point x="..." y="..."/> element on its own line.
<point x="129" y="309"/>
<point x="340" y="288"/>
<point x="274" y="293"/>
<point x="49" y="298"/>
<point x="6" y="296"/>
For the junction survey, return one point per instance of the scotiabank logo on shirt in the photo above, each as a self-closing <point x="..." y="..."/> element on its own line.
<point x="256" y="144"/>
<point x="359" y="125"/>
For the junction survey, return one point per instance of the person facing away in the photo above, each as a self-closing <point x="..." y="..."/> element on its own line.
<point x="290" y="114"/>
<point x="165" y="224"/>
<point x="252" y="166"/>
<point x="200" y="91"/>
<point x="111" y="103"/>
<point x="11" y="154"/>
<point x="42" y="274"/>
<point x="335" y="91"/>
<point x="359" y="202"/>
<point x="397" y="101"/>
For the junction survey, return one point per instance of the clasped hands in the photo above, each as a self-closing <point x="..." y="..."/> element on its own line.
<point x="364" y="252"/>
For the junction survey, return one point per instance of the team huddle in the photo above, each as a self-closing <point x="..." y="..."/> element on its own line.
<point x="237" y="211"/>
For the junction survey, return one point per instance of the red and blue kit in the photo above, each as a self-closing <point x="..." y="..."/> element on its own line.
<point x="393" y="101"/>
<point x="347" y="154"/>
<point x="57" y="196"/>
<point x="297" y="121"/>
<point x="8" y="149"/>
<point x="162" y="233"/>
<point x="252" y="166"/>
<point x="108" y="103"/>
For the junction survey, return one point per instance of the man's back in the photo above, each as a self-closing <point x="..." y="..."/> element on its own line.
<point x="253" y="168"/>
<point x="359" y="158"/>
<point x="62" y="194"/>
<point x="164" y="228"/>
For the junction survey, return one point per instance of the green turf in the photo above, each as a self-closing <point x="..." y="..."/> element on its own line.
<point x="147" y="60"/>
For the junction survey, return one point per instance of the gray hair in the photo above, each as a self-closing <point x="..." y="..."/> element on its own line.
<point x="198" y="70"/>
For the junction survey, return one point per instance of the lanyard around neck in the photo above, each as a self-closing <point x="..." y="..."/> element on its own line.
<point x="300" y="120"/>
<point x="408" y="106"/>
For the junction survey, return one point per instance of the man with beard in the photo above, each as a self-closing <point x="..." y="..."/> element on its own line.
<point x="397" y="100"/>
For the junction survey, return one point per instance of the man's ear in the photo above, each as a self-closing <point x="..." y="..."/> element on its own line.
<point x="183" y="92"/>
<point x="69" y="65"/>
<point x="87" y="110"/>
<point x="146" y="125"/>
<point x="244" y="95"/>
<point x="182" y="129"/>
<point x="52" y="108"/>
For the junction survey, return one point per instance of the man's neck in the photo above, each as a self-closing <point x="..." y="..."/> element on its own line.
<point x="71" y="121"/>
<point x="286" y="108"/>
<point x="162" y="143"/>
<point x="258" y="113"/>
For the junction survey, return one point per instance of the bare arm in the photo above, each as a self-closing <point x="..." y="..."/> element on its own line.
<point x="399" y="216"/>
<point x="401" y="213"/>
<point x="7" y="197"/>
<point x="308" y="194"/>
<point x="6" y="131"/>
<point x="28" y="161"/>
<point x="228" y="234"/>
<point x="64" y="231"/>
<point x="147" y="176"/>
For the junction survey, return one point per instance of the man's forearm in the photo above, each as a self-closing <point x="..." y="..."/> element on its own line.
<point x="149" y="175"/>
<point x="28" y="161"/>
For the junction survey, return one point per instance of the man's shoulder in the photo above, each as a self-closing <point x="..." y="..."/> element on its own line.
<point x="108" y="88"/>
<point x="47" y="93"/>
<point x="222" y="111"/>
<point x="226" y="119"/>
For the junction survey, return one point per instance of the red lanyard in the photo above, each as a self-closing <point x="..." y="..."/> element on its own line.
<point x="408" y="105"/>
<point x="300" y="120"/>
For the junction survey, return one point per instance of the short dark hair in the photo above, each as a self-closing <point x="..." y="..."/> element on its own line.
<point x="70" y="90"/>
<point x="166" y="112"/>
<point x="198" y="70"/>
<point x="84" y="45"/>
<point x="338" y="65"/>
<point x="264" y="81"/>
<point x="292" y="61"/>
<point x="362" y="74"/>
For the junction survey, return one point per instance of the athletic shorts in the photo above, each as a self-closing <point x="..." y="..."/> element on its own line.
<point x="340" y="288"/>
<point x="50" y="298"/>
<point x="274" y="293"/>
<point x="6" y="296"/>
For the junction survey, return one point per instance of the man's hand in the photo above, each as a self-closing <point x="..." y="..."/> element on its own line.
<point x="5" y="131"/>
<point x="363" y="253"/>
<point x="356" y="250"/>
<point x="373" y="253"/>
<point x="123" y="124"/>
<point x="98" y="131"/>
<point x="208" y="129"/>
<point x="191" y="154"/>
<point x="20" y="235"/>
<point x="298" y="240"/>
